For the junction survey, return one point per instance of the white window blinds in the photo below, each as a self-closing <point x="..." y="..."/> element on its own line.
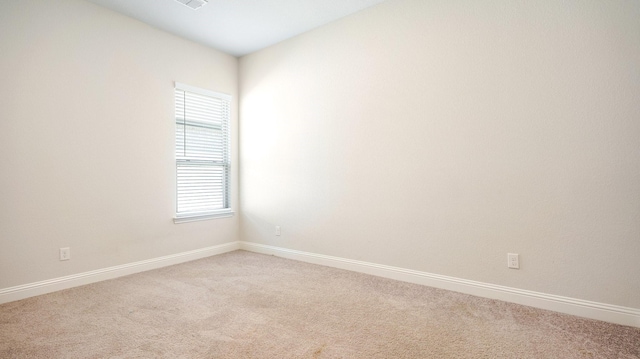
<point x="202" y="152"/>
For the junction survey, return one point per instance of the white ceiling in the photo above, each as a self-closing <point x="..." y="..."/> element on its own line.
<point x="238" y="27"/>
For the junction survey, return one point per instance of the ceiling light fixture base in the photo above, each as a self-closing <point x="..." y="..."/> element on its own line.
<point x="193" y="4"/>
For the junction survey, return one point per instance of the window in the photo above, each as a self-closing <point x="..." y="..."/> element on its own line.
<point x="202" y="154"/>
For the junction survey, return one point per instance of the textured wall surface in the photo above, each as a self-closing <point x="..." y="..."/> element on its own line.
<point x="440" y="135"/>
<point x="87" y="139"/>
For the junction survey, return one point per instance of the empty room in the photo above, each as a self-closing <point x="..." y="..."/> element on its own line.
<point x="319" y="179"/>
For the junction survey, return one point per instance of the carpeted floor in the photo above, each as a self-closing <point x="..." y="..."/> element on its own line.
<point x="247" y="305"/>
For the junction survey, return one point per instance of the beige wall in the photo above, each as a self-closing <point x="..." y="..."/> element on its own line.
<point x="440" y="135"/>
<point x="86" y="139"/>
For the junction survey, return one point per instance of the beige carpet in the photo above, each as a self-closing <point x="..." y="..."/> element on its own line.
<point x="246" y="305"/>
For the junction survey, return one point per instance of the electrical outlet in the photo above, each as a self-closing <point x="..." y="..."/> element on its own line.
<point x="513" y="260"/>
<point x="277" y="230"/>
<point x="65" y="254"/>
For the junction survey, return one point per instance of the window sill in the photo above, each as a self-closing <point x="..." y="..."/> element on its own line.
<point x="204" y="217"/>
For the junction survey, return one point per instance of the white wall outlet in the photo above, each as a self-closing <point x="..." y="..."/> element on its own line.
<point x="277" y="230"/>
<point x="513" y="260"/>
<point x="65" y="254"/>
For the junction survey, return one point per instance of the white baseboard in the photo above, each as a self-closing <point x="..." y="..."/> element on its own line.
<point x="47" y="286"/>
<point x="583" y="308"/>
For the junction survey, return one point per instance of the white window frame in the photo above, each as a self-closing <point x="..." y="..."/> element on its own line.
<point x="182" y="160"/>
